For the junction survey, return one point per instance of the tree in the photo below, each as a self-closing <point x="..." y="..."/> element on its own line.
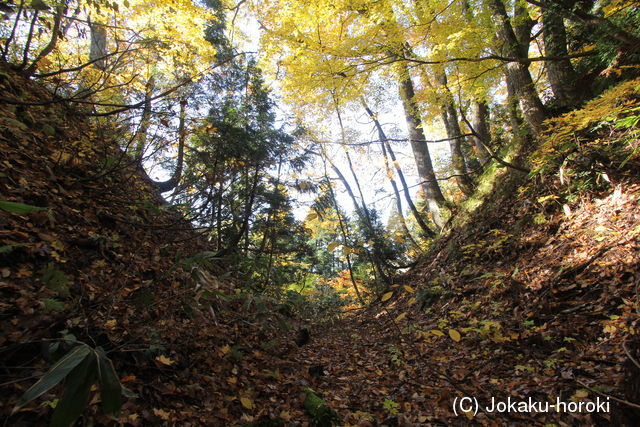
<point x="227" y="178"/>
<point x="324" y="59"/>
<point x="561" y="73"/>
<point x="432" y="193"/>
<point x="518" y="76"/>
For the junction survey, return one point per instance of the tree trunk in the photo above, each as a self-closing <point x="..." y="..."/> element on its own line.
<point x="244" y="226"/>
<point x="629" y="42"/>
<point x="269" y="232"/>
<point x="432" y="193"/>
<point x="385" y="143"/>
<point x="98" y="47"/>
<point x="344" y="233"/>
<point x="53" y="41"/>
<point x="450" y="119"/>
<point x="145" y="119"/>
<point x="396" y="193"/>
<point x="517" y="72"/>
<point x="562" y="76"/>
<point x="375" y="258"/>
<point x="480" y="121"/>
<point x="172" y="182"/>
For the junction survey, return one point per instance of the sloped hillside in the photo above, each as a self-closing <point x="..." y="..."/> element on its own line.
<point x="534" y="297"/>
<point x="90" y="255"/>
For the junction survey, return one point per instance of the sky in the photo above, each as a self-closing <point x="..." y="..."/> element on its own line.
<point x="368" y="161"/>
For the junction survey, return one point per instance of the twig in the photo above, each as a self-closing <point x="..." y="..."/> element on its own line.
<point x="626" y="402"/>
<point x="626" y="350"/>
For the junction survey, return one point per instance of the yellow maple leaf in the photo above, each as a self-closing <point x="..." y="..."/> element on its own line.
<point x="165" y="360"/>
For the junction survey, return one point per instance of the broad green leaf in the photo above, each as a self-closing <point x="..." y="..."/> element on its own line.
<point x="54" y="375"/>
<point x="9" y="248"/>
<point x="386" y="297"/>
<point x="18" y="208"/>
<point x="76" y="393"/>
<point x="110" y="388"/>
<point x="455" y="335"/>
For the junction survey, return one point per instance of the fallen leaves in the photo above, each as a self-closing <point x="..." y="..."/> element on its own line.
<point x="455" y="335"/>
<point x="163" y="360"/>
<point x="246" y="402"/>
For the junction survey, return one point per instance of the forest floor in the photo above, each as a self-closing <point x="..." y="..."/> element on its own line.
<point x="535" y="297"/>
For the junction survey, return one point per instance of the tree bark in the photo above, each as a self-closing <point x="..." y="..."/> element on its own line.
<point x="53" y="41"/>
<point x="432" y="193"/>
<point x="480" y="121"/>
<point x="398" y="198"/>
<point x="344" y="233"/>
<point x="172" y="182"/>
<point x="405" y="188"/>
<point x="629" y="41"/>
<point x="244" y="226"/>
<point x="562" y="76"/>
<point x="450" y="119"/>
<point x="518" y="75"/>
<point x="362" y="211"/>
<point x="145" y="119"/>
<point x="98" y="46"/>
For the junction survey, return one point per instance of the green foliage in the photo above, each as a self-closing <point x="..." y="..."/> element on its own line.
<point x="201" y="259"/>
<point x="55" y="279"/>
<point x="52" y="304"/>
<point x="80" y="368"/>
<point x="426" y="295"/>
<point x="18" y="208"/>
<point x="326" y="302"/>
<point x="391" y="406"/>
<point x="600" y="39"/>
<point x="585" y="133"/>
<point x="494" y="243"/>
<point x="321" y="414"/>
<point x="397" y="356"/>
<point x="10" y="248"/>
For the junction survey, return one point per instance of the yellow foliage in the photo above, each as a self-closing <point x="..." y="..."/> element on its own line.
<point x="322" y="51"/>
<point x="562" y="132"/>
<point x="160" y="38"/>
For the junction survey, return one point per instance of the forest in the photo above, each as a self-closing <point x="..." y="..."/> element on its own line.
<point x="314" y="213"/>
